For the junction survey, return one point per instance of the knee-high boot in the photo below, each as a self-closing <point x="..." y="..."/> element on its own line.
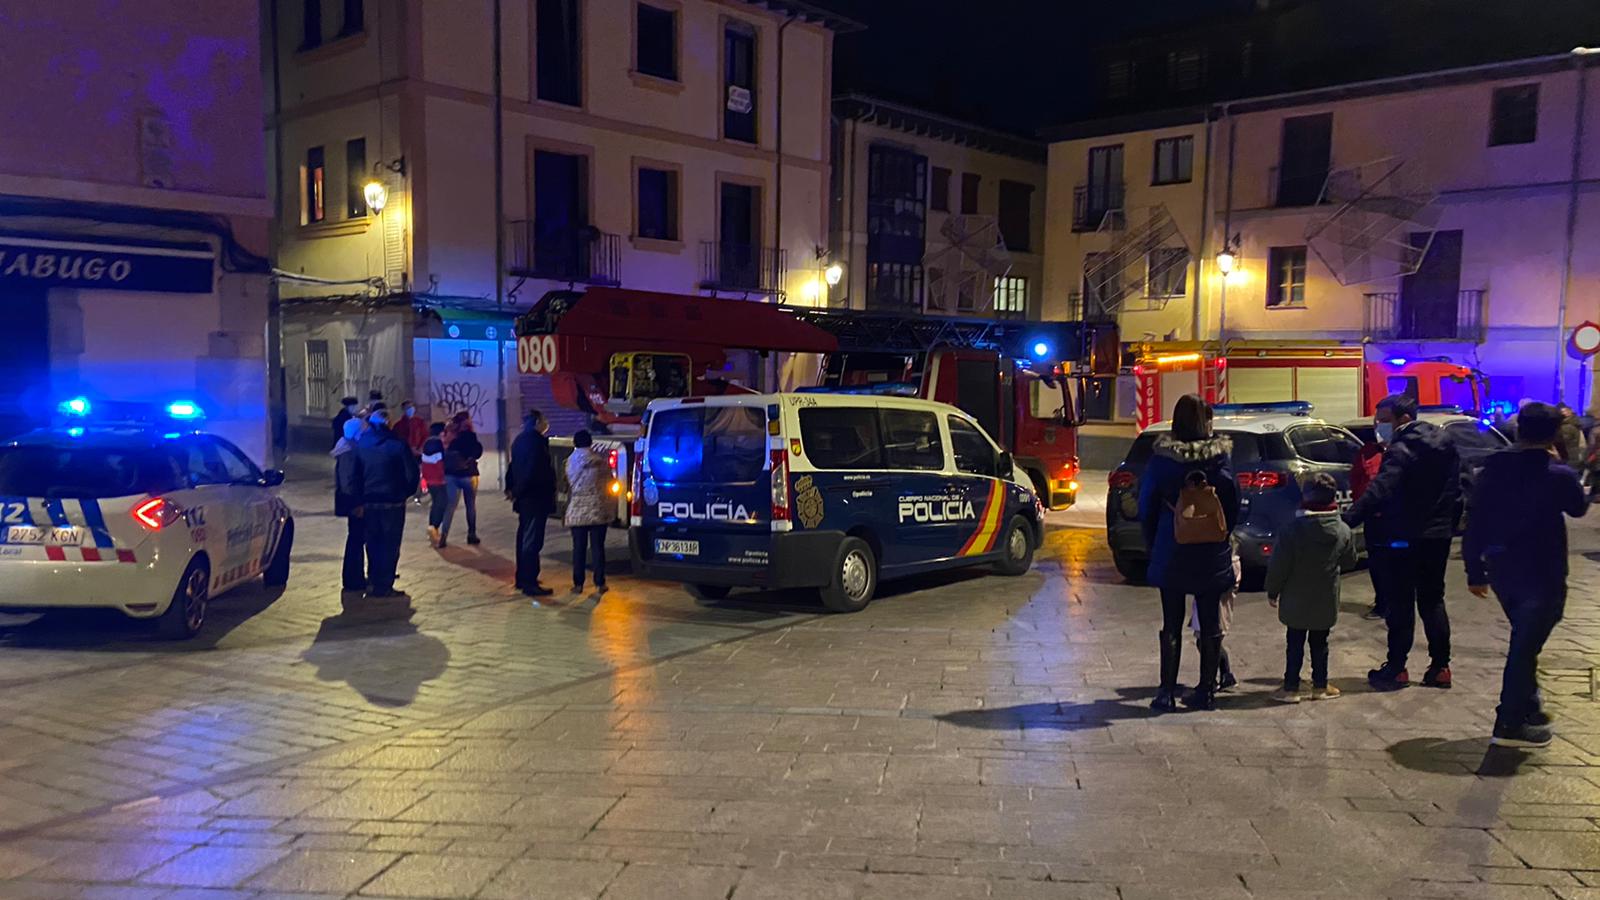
<point x="1171" y="654"/>
<point x="1204" y="696"/>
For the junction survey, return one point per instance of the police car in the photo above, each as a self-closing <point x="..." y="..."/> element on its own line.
<point x="1275" y="445"/>
<point x="823" y="490"/>
<point x="133" y="509"/>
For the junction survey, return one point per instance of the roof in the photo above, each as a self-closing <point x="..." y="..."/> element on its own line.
<point x="809" y="399"/>
<point x="615" y="316"/>
<point x="1249" y="423"/>
<point x="909" y="119"/>
<point x="815" y="15"/>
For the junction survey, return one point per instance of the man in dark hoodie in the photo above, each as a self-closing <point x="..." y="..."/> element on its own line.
<point x="1517" y="544"/>
<point x="1414" y="502"/>
<point x="386" y="473"/>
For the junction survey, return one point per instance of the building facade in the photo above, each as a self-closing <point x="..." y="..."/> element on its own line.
<point x="134" y="211"/>
<point x="932" y="215"/>
<point x="641" y="147"/>
<point x="1450" y="215"/>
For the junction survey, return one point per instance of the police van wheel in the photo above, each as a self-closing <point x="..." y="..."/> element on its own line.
<point x="855" y="577"/>
<point x="277" y="571"/>
<point x="186" y="614"/>
<point x="710" y="592"/>
<point x="1016" y="548"/>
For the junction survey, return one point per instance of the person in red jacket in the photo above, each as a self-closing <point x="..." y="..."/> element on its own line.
<point x="433" y="478"/>
<point x="1368" y="461"/>
<point x="411" y="429"/>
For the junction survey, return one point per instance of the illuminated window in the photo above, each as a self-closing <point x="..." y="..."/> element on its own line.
<point x="316" y="378"/>
<point x="1286" y="269"/>
<point x="1514" y="116"/>
<point x="1174" y="161"/>
<point x="313" y="187"/>
<point x="1011" y="295"/>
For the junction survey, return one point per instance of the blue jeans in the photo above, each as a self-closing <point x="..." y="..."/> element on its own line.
<point x="456" y="487"/>
<point x="589" y="541"/>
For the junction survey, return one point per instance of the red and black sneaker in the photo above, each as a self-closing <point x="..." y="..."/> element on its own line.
<point x="1437" y="677"/>
<point x="1388" y="678"/>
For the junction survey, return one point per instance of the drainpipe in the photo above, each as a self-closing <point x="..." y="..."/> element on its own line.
<point x="277" y="389"/>
<point x="500" y="429"/>
<point x="1197" y="317"/>
<point x="777" y="194"/>
<point x="1578" y="65"/>
<point x="1227" y="227"/>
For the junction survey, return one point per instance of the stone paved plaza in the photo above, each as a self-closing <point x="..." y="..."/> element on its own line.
<point x="967" y="736"/>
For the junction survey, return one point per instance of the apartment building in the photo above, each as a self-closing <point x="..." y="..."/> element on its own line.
<point x="1447" y="215"/>
<point x="933" y="215"/>
<point x="669" y="145"/>
<point x="134" y="211"/>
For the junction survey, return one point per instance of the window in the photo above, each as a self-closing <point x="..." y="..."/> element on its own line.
<point x="1174" y="161"/>
<point x="1016" y="217"/>
<point x="1286" y="269"/>
<point x="202" y="463"/>
<point x="1474" y="441"/>
<point x="834" y="437"/>
<point x="1186" y="70"/>
<point x="357" y="367"/>
<point x="316" y="378"/>
<point x="897" y="186"/>
<point x="1011" y="295"/>
<point x="911" y="439"/>
<point x="1166" y="272"/>
<point x="1514" y="116"/>
<point x="893" y="285"/>
<point x="656" y="46"/>
<point x="313" y="186"/>
<point x="969" y="194"/>
<point x="355" y="169"/>
<point x="239" y="468"/>
<point x="1304" y="159"/>
<point x="658" y="204"/>
<point x="312" y="21"/>
<point x="739" y="82"/>
<point x="354" y="18"/>
<point x="939" y="193"/>
<point x="1119" y="79"/>
<point x="1321" y="444"/>
<point x="559" y="36"/>
<point x="709" y="445"/>
<point x="973" y="452"/>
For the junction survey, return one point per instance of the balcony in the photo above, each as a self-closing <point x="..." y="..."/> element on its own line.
<point x="1096" y="309"/>
<point x="1396" y="317"/>
<point x="1098" y="206"/>
<point x="742" y="268"/>
<point x="580" y="254"/>
<point x="1290" y="188"/>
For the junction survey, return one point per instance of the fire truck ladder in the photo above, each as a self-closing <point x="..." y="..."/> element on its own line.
<point x="1114" y="279"/>
<point x="859" y="331"/>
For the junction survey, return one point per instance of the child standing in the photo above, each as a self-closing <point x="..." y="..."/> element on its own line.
<point x="1225" y="677"/>
<point x="1303" y="584"/>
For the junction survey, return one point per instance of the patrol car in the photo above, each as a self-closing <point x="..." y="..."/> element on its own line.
<point x="133" y="509"/>
<point x="1275" y="445"/>
<point x="823" y="490"/>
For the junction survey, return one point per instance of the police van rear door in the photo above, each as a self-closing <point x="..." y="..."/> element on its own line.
<point x="707" y="488"/>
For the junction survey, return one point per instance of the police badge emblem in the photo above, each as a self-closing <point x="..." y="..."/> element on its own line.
<point x="808" y="501"/>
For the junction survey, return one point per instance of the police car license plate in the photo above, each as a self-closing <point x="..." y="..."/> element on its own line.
<point x="678" y="548"/>
<point x="50" y="537"/>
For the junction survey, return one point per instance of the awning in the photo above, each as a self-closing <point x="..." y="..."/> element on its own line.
<point x="615" y="315"/>
<point x="98" y="262"/>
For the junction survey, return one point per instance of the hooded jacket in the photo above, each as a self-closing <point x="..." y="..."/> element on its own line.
<point x="1417" y="492"/>
<point x="1516" y="536"/>
<point x="1305" y="567"/>
<point x="344" y="470"/>
<point x="1188" y="567"/>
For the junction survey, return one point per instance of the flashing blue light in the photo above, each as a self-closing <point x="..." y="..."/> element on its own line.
<point x="1041" y="349"/>
<point x="1397" y="360"/>
<point x="183" y="409"/>
<point x="75" y="431"/>
<point x="1282" y="407"/>
<point x="77" y="406"/>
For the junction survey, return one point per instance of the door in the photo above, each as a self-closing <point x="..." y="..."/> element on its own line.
<point x="212" y="503"/>
<point x="560" y="215"/>
<point x="1303" y="162"/>
<point x="253" y="505"/>
<point x="1104" y="184"/>
<point x="929" y="505"/>
<point x="1430" y="298"/>
<point x="977" y="463"/>
<point x="1323" y="448"/>
<point x="739" y="83"/>
<point x="738" y="236"/>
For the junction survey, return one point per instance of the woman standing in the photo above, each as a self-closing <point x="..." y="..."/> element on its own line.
<point x="1188" y="506"/>
<point x="462" y="450"/>
<point x="590" y="509"/>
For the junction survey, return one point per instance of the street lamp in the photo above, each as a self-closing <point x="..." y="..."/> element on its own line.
<point x="833" y="274"/>
<point x="1225" y="262"/>
<point x="377" y="195"/>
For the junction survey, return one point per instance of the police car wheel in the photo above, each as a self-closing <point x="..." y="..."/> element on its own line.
<point x="710" y="591"/>
<point x="1017" y="548"/>
<point x="276" y="573"/>
<point x="855" y="577"/>
<point x="186" y="614"/>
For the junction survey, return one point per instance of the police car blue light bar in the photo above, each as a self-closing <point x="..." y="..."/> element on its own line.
<point x="1446" y="408"/>
<point x="1282" y="407"/>
<point x="184" y="409"/>
<point x="77" y="406"/>
<point x="882" y="389"/>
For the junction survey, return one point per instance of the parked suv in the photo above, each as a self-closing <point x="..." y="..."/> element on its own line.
<point x="1275" y="445"/>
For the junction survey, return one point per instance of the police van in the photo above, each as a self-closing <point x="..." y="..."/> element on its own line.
<point x="831" y="491"/>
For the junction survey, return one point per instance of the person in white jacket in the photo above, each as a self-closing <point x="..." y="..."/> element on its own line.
<point x="590" y="509"/>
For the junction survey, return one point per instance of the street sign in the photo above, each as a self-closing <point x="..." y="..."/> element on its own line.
<point x="1586" y="339"/>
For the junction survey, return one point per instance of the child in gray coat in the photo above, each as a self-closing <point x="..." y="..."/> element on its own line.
<point x="1303" y="584"/>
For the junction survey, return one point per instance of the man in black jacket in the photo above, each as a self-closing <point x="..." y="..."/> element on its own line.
<point x="1415" y="501"/>
<point x="386" y="474"/>
<point x="1517" y="544"/>
<point x="347" y="411"/>
<point x="531" y="485"/>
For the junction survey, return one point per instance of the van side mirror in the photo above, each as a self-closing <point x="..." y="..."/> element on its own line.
<point x="1006" y="466"/>
<point x="271" y="478"/>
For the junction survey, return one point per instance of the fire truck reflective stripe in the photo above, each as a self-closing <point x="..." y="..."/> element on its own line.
<point x="126" y="556"/>
<point x="96" y="520"/>
<point x="90" y="554"/>
<point x="55" y="554"/>
<point x="982" y="540"/>
<point x="57" y="513"/>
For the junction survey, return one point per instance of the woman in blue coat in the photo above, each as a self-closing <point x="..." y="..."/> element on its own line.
<point x="1204" y="570"/>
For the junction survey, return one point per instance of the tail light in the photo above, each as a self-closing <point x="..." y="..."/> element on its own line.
<point x="611" y="459"/>
<point x="155" y="514"/>
<point x="636" y="492"/>
<point x="780" y="490"/>
<point x="1261" y="480"/>
<point x="1123" y="479"/>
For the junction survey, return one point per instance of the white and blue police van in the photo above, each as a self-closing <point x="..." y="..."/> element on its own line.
<point x="825" y="490"/>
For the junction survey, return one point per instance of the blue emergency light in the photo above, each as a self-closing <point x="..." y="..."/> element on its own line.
<point x="1282" y="407"/>
<point x="77" y="406"/>
<point x="184" y="409"/>
<point x="1041" y="349"/>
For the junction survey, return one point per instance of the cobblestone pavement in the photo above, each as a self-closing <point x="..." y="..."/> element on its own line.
<point x="966" y="736"/>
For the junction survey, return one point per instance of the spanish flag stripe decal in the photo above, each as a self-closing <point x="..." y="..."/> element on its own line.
<point x="989" y="523"/>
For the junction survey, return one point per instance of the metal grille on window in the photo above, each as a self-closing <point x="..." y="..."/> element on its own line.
<point x="316" y="377"/>
<point x="357" y="367"/>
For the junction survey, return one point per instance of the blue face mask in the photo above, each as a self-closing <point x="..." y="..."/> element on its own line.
<point x="378" y="419"/>
<point x="1385" y="431"/>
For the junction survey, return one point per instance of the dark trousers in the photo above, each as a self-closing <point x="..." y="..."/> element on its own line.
<point x="530" y="543"/>
<point x="589" y="542"/>
<point x="385" y="525"/>
<point x="1533" y="613"/>
<point x="436" y="504"/>
<point x="1377" y="572"/>
<point x="1414" y="576"/>
<point x="355" y="554"/>
<point x="1296" y="657"/>
<point x="1175" y="608"/>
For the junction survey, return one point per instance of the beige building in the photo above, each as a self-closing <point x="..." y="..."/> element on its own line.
<point x="1445" y="215"/>
<point x="934" y="215"/>
<point x="641" y="147"/>
<point x="134" y="211"/>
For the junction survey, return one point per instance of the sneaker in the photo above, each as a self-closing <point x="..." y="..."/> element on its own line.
<point x="1524" y="735"/>
<point x="473" y="540"/>
<point x="1539" y="719"/>
<point x="1373" y="615"/>
<point x="1226" y="680"/>
<point x="433" y="536"/>
<point x="1326" y="692"/>
<point x="1286" y="695"/>
<point x="1388" y="678"/>
<point x="1437" y="677"/>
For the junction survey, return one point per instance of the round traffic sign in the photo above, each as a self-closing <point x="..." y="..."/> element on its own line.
<point x="1586" y="338"/>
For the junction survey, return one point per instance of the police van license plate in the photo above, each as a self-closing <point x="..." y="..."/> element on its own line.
<point x="50" y="537"/>
<point x="678" y="548"/>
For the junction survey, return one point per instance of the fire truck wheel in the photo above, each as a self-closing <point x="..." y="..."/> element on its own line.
<point x="1016" y="548"/>
<point x="855" y="577"/>
<point x="710" y="593"/>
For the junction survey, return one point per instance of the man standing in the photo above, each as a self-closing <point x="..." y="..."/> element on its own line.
<point x="531" y="485"/>
<point x="1415" y="501"/>
<point x="347" y="411"/>
<point x="1517" y="544"/>
<point x="388" y="473"/>
<point x="411" y="429"/>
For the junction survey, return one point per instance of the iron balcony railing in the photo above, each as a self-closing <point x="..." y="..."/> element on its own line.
<point x="572" y="253"/>
<point x="1396" y="317"/>
<point x="1098" y="204"/>
<point x="1295" y="187"/>
<point x="742" y="267"/>
<point x="1095" y="309"/>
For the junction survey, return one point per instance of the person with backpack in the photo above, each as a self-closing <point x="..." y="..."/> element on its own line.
<point x="462" y="450"/>
<point x="1303" y="583"/>
<point x="432" y="462"/>
<point x="1188" y="506"/>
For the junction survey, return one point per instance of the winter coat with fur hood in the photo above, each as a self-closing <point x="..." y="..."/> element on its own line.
<point x="1192" y="568"/>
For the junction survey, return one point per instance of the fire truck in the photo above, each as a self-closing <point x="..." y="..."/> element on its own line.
<point x="609" y="351"/>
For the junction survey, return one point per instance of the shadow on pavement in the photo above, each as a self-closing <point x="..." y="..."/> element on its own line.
<point x="1054" y="716"/>
<point x="374" y="647"/>
<point x="110" y="630"/>
<point x="1467" y="757"/>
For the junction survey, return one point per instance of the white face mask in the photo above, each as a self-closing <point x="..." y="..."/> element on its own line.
<point x="1384" y="431"/>
<point x="351" y="409"/>
<point x="378" y="419"/>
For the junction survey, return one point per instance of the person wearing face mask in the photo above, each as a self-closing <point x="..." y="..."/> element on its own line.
<point x="387" y="477"/>
<point x="347" y="411"/>
<point x="347" y="505"/>
<point x="1415" y="501"/>
<point x="531" y="487"/>
<point x="1368" y="461"/>
<point x="411" y="429"/>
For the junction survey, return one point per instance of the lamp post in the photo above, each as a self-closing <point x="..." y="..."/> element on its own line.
<point x="1227" y="262"/>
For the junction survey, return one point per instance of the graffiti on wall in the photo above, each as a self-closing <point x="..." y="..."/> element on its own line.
<point x="455" y="396"/>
